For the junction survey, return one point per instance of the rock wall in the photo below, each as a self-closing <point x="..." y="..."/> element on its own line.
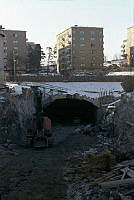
<point x="14" y="113"/>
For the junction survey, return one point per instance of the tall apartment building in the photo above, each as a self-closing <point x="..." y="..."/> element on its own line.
<point x="16" y="53"/>
<point x="2" y="57"/>
<point x="80" y="49"/>
<point x="130" y="42"/>
<point x="128" y="46"/>
<point x="33" y="57"/>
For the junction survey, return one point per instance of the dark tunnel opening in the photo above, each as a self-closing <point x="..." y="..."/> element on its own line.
<point x="69" y="111"/>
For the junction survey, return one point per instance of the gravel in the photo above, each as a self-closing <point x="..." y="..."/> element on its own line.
<point x="40" y="174"/>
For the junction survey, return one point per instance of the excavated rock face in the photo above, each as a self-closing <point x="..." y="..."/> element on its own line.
<point x="14" y="113"/>
<point x="122" y="126"/>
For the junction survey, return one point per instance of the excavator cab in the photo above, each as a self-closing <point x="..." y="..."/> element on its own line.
<point x="41" y="137"/>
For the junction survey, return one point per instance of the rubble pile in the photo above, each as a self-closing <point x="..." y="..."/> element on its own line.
<point x="96" y="163"/>
<point x="106" y="182"/>
<point x="108" y="175"/>
<point x="123" y="127"/>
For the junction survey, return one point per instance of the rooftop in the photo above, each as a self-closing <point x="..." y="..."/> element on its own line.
<point x="76" y="26"/>
<point x="14" y="30"/>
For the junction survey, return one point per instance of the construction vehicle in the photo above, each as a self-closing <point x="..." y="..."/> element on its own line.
<point x="39" y="136"/>
<point x="39" y="132"/>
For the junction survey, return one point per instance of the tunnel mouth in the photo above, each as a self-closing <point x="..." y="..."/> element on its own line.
<point x="71" y="111"/>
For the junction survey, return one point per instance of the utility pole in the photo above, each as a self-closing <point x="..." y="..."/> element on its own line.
<point x="14" y="67"/>
<point x="49" y="57"/>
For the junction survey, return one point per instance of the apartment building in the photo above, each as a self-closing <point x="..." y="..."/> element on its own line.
<point x="130" y="43"/>
<point x="80" y="49"/>
<point x="2" y="57"/>
<point x="15" y="51"/>
<point x="128" y="46"/>
<point x="33" y="57"/>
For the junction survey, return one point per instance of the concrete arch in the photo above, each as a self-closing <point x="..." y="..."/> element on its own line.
<point x="48" y="100"/>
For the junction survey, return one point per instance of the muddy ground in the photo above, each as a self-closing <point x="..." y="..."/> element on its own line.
<point x="39" y="174"/>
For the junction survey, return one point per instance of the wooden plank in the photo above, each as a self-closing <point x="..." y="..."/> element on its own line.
<point x="127" y="163"/>
<point x="101" y="179"/>
<point x="131" y="109"/>
<point x="130" y="123"/>
<point x="128" y="192"/>
<point x="117" y="183"/>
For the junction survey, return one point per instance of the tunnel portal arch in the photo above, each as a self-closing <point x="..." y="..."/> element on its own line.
<point x="68" y="110"/>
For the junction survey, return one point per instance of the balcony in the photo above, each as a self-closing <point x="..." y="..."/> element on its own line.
<point x="68" y="42"/>
<point x="124" y="56"/>
<point x="69" y="35"/>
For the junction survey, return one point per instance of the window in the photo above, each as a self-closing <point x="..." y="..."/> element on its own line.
<point x="16" y="48"/>
<point x="82" y="65"/>
<point x="92" y="32"/>
<point x="74" y="32"/>
<point x="15" y="35"/>
<point x="92" y="39"/>
<point x="68" y="42"/>
<point x="73" y="38"/>
<point x="15" y="42"/>
<point x="81" y="32"/>
<point x="93" y="58"/>
<point x="15" y="52"/>
<point x="82" y="59"/>
<point x="73" y="45"/>
<point x="82" y="45"/>
<point x="92" y="45"/>
<point x="5" y="52"/>
<point x="82" y="52"/>
<point x="81" y="38"/>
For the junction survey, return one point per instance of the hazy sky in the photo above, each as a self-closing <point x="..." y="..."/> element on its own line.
<point x="44" y="19"/>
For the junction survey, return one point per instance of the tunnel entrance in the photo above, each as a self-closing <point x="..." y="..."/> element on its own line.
<point x="70" y="111"/>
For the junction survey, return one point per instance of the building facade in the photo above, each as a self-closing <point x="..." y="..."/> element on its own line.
<point x="33" y="57"/>
<point x="2" y="57"/>
<point x="15" y="51"/>
<point x="128" y="45"/>
<point x="132" y="56"/>
<point x="80" y="49"/>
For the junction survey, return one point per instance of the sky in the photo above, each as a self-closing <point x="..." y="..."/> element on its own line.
<point x="44" y="19"/>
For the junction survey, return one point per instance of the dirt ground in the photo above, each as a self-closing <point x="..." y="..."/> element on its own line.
<point x="39" y="174"/>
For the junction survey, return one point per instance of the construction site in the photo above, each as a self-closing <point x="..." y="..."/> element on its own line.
<point x="61" y="144"/>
